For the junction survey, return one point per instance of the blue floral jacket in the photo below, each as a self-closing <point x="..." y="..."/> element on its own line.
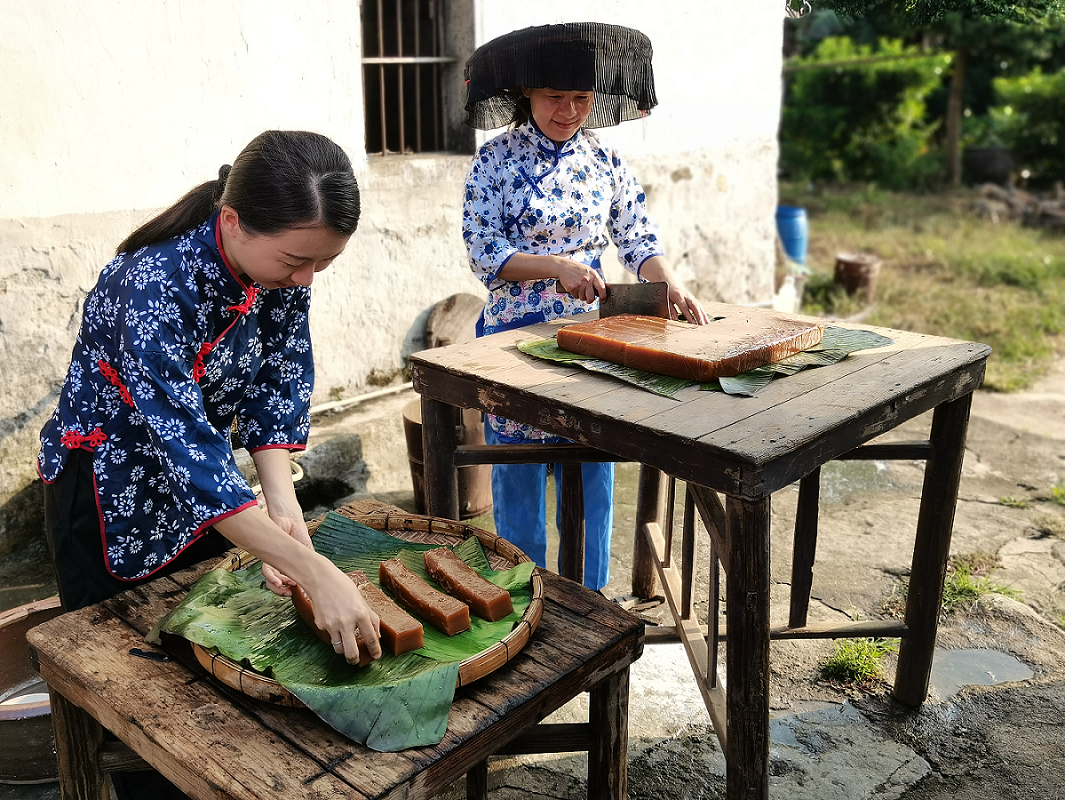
<point x="173" y="348"/>
<point x="527" y="194"/>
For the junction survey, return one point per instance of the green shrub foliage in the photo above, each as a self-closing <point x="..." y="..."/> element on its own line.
<point x="852" y="113"/>
<point x="1030" y="117"/>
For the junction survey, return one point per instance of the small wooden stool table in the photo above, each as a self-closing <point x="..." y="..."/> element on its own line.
<point x="743" y="449"/>
<point x="213" y="742"/>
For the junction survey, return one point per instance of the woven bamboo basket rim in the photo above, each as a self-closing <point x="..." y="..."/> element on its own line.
<point x="412" y="528"/>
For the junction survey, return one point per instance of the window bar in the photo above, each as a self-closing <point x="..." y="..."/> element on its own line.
<point x="417" y="79"/>
<point x="381" y="72"/>
<point x="399" y="78"/>
<point x="438" y="50"/>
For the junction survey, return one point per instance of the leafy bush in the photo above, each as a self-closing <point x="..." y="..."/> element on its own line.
<point x="852" y="114"/>
<point x="1031" y="118"/>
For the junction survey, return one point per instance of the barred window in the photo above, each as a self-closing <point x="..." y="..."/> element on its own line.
<point x="407" y="77"/>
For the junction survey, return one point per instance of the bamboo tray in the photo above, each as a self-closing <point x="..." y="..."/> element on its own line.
<point x="412" y="528"/>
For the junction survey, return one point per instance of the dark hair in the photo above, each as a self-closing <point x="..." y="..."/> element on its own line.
<point x="281" y="180"/>
<point x="522" y="107"/>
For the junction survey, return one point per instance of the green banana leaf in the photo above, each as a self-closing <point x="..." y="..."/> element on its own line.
<point x="836" y="344"/>
<point x="395" y="703"/>
<point x="659" y="384"/>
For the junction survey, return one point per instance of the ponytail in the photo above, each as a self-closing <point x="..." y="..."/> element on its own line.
<point x="281" y="180"/>
<point x="186" y="213"/>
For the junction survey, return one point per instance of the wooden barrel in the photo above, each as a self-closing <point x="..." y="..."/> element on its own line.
<point x="857" y="274"/>
<point x="27" y="751"/>
<point x="475" y="481"/>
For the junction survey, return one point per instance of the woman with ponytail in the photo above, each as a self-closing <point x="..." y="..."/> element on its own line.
<point x="200" y="322"/>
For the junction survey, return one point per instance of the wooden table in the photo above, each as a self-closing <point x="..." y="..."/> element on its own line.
<point x="213" y="742"/>
<point x="733" y="453"/>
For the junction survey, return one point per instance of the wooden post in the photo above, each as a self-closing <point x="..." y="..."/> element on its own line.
<point x="803" y="548"/>
<point x="439" y="440"/>
<point x="608" y="718"/>
<point x="78" y="739"/>
<point x="648" y="509"/>
<point x="935" y="524"/>
<point x="571" y="536"/>
<point x="747" y="649"/>
<point x="477" y="782"/>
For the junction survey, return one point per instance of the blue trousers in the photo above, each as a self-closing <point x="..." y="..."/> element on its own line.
<point x="519" y="494"/>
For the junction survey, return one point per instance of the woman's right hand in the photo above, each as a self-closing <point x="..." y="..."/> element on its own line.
<point x="576" y="279"/>
<point x="338" y="604"/>
<point x="340" y="609"/>
<point x="579" y="280"/>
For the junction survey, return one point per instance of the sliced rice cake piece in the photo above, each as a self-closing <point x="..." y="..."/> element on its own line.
<point x="484" y="598"/>
<point x="723" y="348"/>
<point x="400" y="632"/>
<point x="444" y="612"/>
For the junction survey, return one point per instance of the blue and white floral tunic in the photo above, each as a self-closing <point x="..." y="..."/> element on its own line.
<point x="172" y="348"/>
<point x="527" y="194"/>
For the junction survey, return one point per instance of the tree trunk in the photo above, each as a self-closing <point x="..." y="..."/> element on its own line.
<point x="952" y="122"/>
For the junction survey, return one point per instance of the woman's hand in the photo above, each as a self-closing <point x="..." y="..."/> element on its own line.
<point x="291" y="522"/>
<point x="339" y="607"/>
<point x="681" y="301"/>
<point x="275" y="476"/>
<point x="576" y="279"/>
<point x="580" y="281"/>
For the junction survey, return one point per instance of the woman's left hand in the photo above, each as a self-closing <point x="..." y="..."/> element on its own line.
<point x="294" y="526"/>
<point x="681" y="301"/>
<point x="275" y="477"/>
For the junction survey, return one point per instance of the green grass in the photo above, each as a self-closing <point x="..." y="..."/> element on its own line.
<point x="857" y="662"/>
<point x="969" y="577"/>
<point x="1057" y="494"/>
<point x="946" y="270"/>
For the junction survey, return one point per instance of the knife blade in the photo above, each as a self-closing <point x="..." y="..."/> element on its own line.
<point x="645" y="299"/>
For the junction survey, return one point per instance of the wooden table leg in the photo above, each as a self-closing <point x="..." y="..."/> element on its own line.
<point x="935" y="524"/>
<point x="648" y="510"/>
<point x="747" y="649"/>
<point x="78" y="739"/>
<point x="608" y="717"/>
<point x="804" y="548"/>
<point x="477" y="782"/>
<point x="439" y="440"/>
<point x="571" y="535"/>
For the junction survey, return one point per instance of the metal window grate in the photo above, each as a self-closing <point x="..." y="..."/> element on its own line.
<point x="403" y="69"/>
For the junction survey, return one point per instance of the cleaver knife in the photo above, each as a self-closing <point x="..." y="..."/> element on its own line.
<point x="646" y="299"/>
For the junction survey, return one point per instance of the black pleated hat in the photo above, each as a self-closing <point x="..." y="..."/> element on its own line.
<point x="611" y="60"/>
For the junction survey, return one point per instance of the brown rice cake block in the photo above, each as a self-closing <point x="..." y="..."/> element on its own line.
<point x="484" y="598"/>
<point x="723" y="348"/>
<point x="444" y="612"/>
<point x="400" y="632"/>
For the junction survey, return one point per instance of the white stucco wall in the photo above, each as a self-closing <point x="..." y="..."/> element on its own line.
<point x="111" y="110"/>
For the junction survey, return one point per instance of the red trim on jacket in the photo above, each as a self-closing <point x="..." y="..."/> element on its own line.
<point x="293" y="447"/>
<point x="111" y="374"/>
<point x="196" y="536"/>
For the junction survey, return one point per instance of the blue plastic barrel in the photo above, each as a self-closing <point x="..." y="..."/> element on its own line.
<point x="791" y="225"/>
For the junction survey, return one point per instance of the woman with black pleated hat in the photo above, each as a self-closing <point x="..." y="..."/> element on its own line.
<point x="543" y="200"/>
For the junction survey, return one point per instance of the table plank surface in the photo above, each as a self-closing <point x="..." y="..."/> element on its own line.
<point x="744" y="446"/>
<point x="215" y="742"/>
